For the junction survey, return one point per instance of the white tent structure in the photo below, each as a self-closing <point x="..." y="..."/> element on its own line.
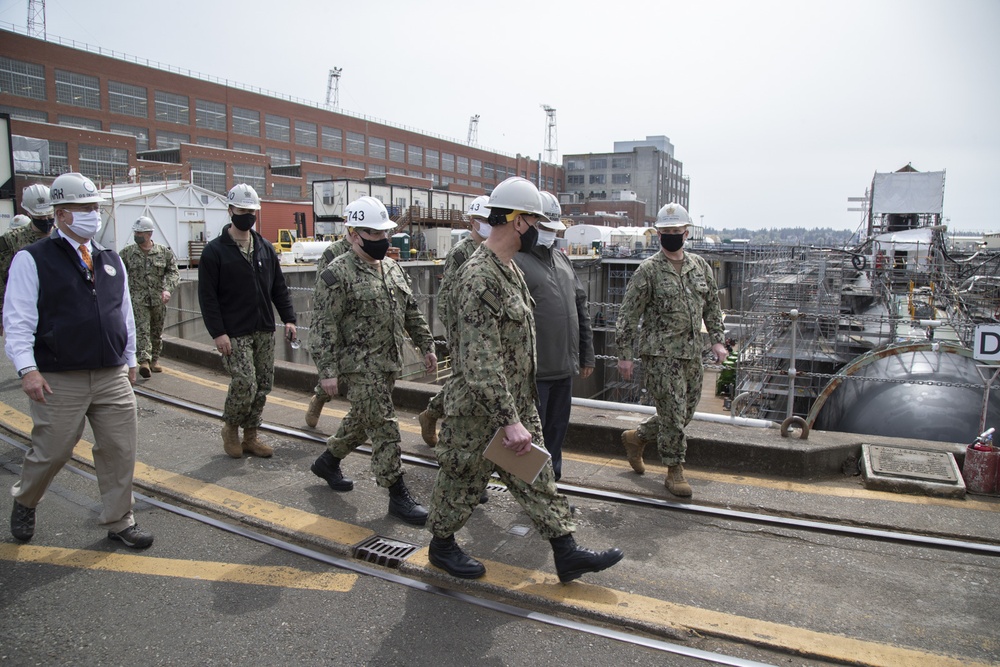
<point x="185" y="216"/>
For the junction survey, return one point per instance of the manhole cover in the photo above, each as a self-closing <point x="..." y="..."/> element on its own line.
<point x="913" y="463"/>
<point x="384" y="551"/>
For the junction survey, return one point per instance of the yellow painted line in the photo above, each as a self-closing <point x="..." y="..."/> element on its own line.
<point x="543" y="585"/>
<point x="686" y="618"/>
<point x="234" y="573"/>
<point x="795" y="487"/>
<point x="195" y="490"/>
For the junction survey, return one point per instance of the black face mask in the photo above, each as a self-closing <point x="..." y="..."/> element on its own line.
<point x="672" y="242"/>
<point x="244" y="221"/>
<point x="375" y="249"/>
<point x="528" y="239"/>
<point x="44" y="225"/>
<point x="139" y="240"/>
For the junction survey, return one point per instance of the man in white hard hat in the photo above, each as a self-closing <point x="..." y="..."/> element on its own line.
<point x="479" y="232"/>
<point x="363" y="309"/>
<point x="152" y="277"/>
<point x="36" y="203"/>
<point x="494" y="392"/>
<point x="564" y="339"/>
<point x="672" y="293"/>
<point x="71" y="337"/>
<point x="239" y="278"/>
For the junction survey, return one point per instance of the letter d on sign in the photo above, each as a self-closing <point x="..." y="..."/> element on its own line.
<point x="987" y="345"/>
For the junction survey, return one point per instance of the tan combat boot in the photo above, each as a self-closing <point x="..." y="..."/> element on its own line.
<point x="144" y="369"/>
<point x="675" y="482"/>
<point x="428" y="428"/>
<point x="231" y="440"/>
<point x="252" y="445"/>
<point x="155" y="366"/>
<point x="633" y="450"/>
<point x="314" y="410"/>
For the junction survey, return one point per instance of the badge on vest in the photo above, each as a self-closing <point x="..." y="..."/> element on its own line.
<point x="110" y="270"/>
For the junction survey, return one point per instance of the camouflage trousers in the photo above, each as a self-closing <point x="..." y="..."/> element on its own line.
<point x="464" y="473"/>
<point x="148" y="330"/>
<point x="675" y="385"/>
<point x="435" y="406"/>
<point x="251" y="367"/>
<point x="372" y="415"/>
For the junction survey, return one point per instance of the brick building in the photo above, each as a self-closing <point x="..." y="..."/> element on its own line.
<point x="117" y="120"/>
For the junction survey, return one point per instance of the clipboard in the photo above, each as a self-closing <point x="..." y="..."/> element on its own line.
<point x="525" y="467"/>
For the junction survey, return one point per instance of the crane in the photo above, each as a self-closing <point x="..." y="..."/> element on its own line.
<point x="333" y="87"/>
<point x="473" y="130"/>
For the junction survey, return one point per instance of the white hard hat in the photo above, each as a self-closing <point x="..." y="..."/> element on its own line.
<point x="517" y="194"/>
<point x="36" y="200"/>
<point x="553" y="211"/>
<point x="74" y="188"/>
<point x="368" y="213"/>
<point x="672" y="216"/>
<point x="143" y="224"/>
<point x="477" y="208"/>
<point x="20" y="221"/>
<point x="244" y="196"/>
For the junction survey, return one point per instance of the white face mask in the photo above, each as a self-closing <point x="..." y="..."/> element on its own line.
<point x="86" y="224"/>
<point x="483" y="229"/>
<point x="546" y="238"/>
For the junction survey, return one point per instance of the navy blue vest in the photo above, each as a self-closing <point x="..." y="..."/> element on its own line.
<point x="80" y="323"/>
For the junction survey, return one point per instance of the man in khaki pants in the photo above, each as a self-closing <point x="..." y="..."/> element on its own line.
<point x="71" y="337"/>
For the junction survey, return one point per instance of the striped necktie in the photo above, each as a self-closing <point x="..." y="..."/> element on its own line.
<point x="86" y="257"/>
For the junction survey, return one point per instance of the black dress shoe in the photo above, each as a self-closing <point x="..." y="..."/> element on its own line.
<point x="22" y="522"/>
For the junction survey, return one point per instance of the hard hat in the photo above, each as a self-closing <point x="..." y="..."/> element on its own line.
<point x="244" y="196"/>
<point x="672" y="216"/>
<point x="36" y="200"/>
<point x="477" y="208"/>
<point x="553" y="211"/>
<point x="517" y="194"/>
<point x="20" y="221"/>
<point x="368" y="213"/>
<point x="74" y="188"/>
<point x="143" y="224"/>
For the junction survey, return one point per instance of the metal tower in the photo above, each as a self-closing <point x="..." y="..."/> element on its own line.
<point x="333" y="87"/>
<point x="36" y="18"/>
<point x="473" y="131"/>
<point x="551" y="138"/>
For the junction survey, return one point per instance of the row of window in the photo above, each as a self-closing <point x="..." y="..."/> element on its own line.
<point x="624" y="162"/>
<point x="616" y="179"/>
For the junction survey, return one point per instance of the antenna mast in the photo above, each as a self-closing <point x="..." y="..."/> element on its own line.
<point x="551" y="138"/>
<point x="333" y="87"/>
<point x="473" y="138"/>
<point x="36" y="19"/>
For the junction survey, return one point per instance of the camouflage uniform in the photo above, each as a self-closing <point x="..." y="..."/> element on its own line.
<point x="671" y="307"/>
<point x="10" y="244"/>
<point x="332" y="252"/>
<point x="149" y="275"/>
<point x="361" y="316"/>
<point x="494" y="386"/>
<point x="459" y="254"/>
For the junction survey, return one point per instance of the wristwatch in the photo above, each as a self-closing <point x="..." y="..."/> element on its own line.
<point x="27" y="369"/>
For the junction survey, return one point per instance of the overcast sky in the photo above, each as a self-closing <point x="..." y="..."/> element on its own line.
<point x="779" y="109"/>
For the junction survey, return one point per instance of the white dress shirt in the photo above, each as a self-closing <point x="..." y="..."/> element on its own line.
<point x="20" y="309"/>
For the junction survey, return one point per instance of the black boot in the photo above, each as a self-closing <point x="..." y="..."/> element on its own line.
<point x="327" y="466"/>
<point x="447" y="555"/>
<point x="403" y="506"/>
<point x="572" y="561"/>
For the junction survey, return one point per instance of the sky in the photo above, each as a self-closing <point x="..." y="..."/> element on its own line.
<point x="779" y="109"/>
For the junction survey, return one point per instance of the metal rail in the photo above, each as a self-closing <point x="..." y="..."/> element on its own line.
<point x="843" y="530"/>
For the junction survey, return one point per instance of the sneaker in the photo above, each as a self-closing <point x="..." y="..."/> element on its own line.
<point x="133" y="537"/>
<point x="22" y="522"/>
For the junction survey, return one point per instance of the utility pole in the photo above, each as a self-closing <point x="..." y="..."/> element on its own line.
<point x="551" y="138"/>
<point x="473" y="138"/>
<point x="36" y="19"/>
<point x="333" y="88"/>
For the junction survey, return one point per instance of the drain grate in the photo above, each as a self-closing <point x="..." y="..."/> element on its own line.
<point x="384" y="551"/>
